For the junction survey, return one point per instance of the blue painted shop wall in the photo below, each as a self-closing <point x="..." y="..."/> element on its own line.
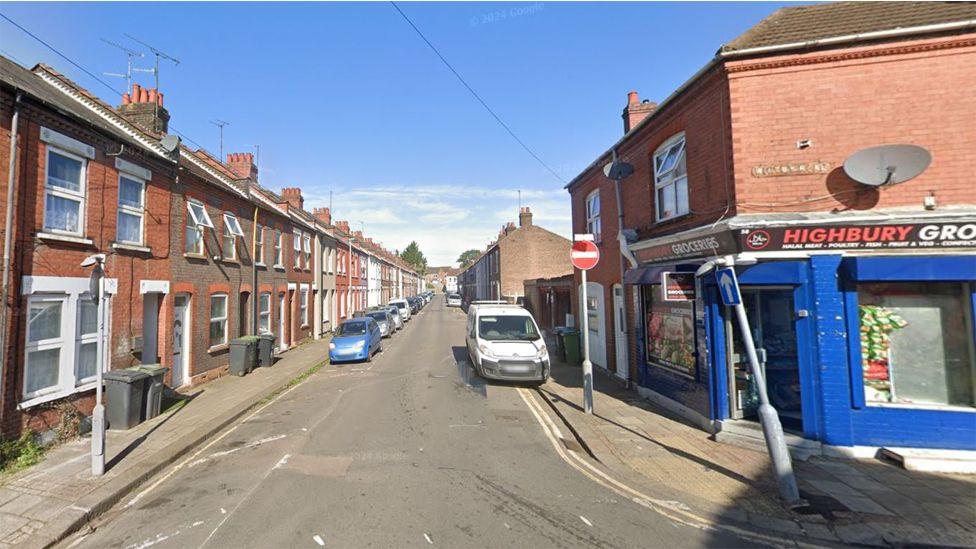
<point x="688" y="391"/>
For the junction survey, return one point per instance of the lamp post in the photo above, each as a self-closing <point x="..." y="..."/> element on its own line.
<point x="97" y="290"/>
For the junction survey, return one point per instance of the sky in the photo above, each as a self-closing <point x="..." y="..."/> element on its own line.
<point x="346" y="98"/>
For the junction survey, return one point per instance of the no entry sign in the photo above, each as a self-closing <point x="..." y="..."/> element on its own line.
<point x="584" y="255"/>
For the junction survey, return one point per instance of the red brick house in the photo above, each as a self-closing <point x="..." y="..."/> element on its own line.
<point x="743" y="164"/>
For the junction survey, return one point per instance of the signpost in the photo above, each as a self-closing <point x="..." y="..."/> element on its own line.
<point x="585" y="255"/>
<point x="728" y="286"/>
<point x="97" y="291"/>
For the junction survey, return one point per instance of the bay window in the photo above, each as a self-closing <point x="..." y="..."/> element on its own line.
<point x="218" y="319"/>
<point x="64" y="192"/>
<point x="671" y="179"/>
<point x="132" y="201"/>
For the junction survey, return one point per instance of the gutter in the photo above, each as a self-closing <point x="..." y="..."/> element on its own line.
<point x="7" y="239"/>
<point x="726" y="55"/>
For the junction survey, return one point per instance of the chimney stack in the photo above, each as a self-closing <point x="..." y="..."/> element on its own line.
<point x="144" y="108"/>
<point x="636" y="110"/>
<point x="323" y="215"/>
<point x="525" y="217"/>
<point x="293" y="196"/>
<point x="242" y="164"/>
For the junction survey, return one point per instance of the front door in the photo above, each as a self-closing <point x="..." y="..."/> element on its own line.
<point x="181" y="331"/>
<point x="282" y="318"/>
<point x="772" y="321"/>
<point x="620" y="332"/>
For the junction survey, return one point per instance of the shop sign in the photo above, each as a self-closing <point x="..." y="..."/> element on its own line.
<point x="860" y="237"/>
<point x="703" y="246"/>
<point x="790" y="168"/>
<point x="677" y="286"/>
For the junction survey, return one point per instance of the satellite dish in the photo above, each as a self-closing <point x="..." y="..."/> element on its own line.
<point x="170" y="143"/>
<point x="887" y="164"/>
<point x="618" y="170"/>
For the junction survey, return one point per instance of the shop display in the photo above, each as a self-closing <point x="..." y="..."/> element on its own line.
<point x="877" y="323"/>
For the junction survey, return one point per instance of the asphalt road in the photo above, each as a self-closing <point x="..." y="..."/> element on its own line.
<point x="411" y="450"/>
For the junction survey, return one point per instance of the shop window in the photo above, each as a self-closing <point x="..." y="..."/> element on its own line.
<point x="671" y="179"/>
<point x="131" y="210"/>
<point x="593" y="214"/>
<point x="916" y="343"/>
<point x="64" y="193"/>
<point x="218" y="319"/>
<point x="264" y="313"/>
<point x="670" y="329"/>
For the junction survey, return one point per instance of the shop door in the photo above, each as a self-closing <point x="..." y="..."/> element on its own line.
<point x="772" y="321"/>
<point x="620" y="332"/>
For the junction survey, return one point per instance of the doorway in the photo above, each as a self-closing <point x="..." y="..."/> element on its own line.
<point x="282" y="311"/>
<point x="772" y="319"/>
<point x="620" y="332"/>
<point x="181" y="344"/>
<point x="242" y="325"/>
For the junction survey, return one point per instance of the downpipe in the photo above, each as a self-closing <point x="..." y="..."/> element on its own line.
<point x="7" y="239"/>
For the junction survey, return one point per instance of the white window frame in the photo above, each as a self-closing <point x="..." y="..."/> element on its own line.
<point x="136" y="211"/>
<point x="264" y="314"/>
<point x="83" y="339"/>
<point x="594" y="225"/>
<point x="78" y="196"/>
<point x="303" y="304"/>
<point x="60" y="343"/>
<point x="326" y="305"/>
<point x="666" y="178"/>
<point x="223" y="319"/>
<point x="296" y="240"/>
<point x="279" y="248"/>
<point x="232" y="230"/>
<point x="259" y="246"/>
<point x="197" y="220"/>
<point x="307" y="248"/>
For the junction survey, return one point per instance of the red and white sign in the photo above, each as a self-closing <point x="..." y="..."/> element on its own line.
<point x="584" y="255"/>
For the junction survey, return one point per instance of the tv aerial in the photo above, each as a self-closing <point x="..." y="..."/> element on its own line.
<point x="887" y="164"/>
<point x="159" y="54"/>
<point x="130" y="54"/>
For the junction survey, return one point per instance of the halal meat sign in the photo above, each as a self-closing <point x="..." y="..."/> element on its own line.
<point x="860" y="237"/>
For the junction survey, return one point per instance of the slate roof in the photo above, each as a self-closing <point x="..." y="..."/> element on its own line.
<point x="818" y="21"/>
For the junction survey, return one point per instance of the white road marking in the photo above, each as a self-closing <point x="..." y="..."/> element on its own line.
<point x="232" y="450"/>
<point x="223" y="511"/>
<point x="507" y="526"/>
<point x="318" y="539"/>
<point x="680" y="513"/>
<point x="426" y="537"/>
<point x="282" y="461"/>
<point x="586" y="521"/>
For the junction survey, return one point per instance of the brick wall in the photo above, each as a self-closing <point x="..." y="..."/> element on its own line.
<point x="531" y="252"/>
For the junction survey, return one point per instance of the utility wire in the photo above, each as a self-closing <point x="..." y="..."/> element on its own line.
<point x="476" y="96"/>
<point x="86" y="71"/>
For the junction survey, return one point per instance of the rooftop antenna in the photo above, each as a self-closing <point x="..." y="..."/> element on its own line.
<point x="129" y="53"/>
<point x="520" y="201"/>
<point x="257" y="156"/>
<point x="220" y="124"/>
<point x="159" y="54"/>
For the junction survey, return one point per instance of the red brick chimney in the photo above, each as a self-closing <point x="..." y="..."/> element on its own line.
<point x="293" y="196"/>
<point x="144" y="108"/>
<point x="636" y="110"/>
<point x="323" y="215"/>
<point x="343" y="226"/>
<point x="242" y="164"/>
<point x="525" y="217"/>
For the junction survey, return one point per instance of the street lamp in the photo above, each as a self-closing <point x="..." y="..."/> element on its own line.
<point x="97" y="290"/>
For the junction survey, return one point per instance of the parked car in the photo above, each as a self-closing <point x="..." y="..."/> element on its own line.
<point x="355" y="339"/>
<point x="453" y="300"/>
<point x="384" y="320"/>
<point x="504" y="342"/>
<point x="414" y="304"/>
<point x="395" y="315"/>
<point x="403" y="307"/>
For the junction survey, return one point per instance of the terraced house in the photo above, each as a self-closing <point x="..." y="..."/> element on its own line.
<point x="197" y="251"/>
<point x="861" y="295"/>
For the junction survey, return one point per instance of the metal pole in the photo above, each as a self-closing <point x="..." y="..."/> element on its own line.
<point x="8" y="236"/>
<point x="768" y="418"/>
<point x="587" y="365"/>
<point x="98" y="413"/>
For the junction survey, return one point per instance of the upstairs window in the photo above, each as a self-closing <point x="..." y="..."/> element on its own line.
<point x="259" y="247"/>
<point x="232" y="230"/>
<point x="671" y="179"/>
<point x="64" y="192"/>
<point x="132" y="200"/>
<point x="297" y="245"/>
<point x="593" y="214"/>
<point x="307" y="248"/>
<point x="198" y="219"/>
<point x="279" y="251"/>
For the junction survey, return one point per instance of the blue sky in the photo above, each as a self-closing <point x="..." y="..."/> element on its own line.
<point x="347" y="98"/>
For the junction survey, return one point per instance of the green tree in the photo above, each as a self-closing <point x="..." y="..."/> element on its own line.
<point x="412" y="255"/>
<point x="467" y="257"/>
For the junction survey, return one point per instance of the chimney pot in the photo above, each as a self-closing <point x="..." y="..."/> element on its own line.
<point x="636" y="111"/>
<point x="125" y="99"/>
<point x="152" y="95"/>
<point x="525" y="218"/>
<point x="632" y="98"/>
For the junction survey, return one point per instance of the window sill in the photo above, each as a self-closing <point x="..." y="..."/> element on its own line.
<point x="218" y="348"/>
<point x="279" y="268"/>
<point x="674" y="219"/>
<point x="131" y="247"/>
<point x="304" y="327"/>
<point x="260" y="264"/>
<point x="194" y="256"/>
<point x="50" y="397"/>
<point x="230" y="260"/>
<point x="66" y="238"/>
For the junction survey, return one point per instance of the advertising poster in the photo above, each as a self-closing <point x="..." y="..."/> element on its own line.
<point x="671" y="336"/>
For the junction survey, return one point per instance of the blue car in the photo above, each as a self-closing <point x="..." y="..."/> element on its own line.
<point x="355" y="339"/>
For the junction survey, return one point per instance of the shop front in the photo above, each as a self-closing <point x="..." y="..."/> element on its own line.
<point x="865" y="333"/>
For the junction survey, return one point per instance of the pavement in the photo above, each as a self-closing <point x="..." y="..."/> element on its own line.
<point x="44" y="503"/>
<point x="409" y="450"/>
<point x="867" y="502"/>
